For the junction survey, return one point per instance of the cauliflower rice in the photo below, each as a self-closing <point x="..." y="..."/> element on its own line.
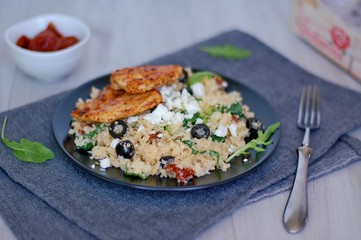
<point x="162" y="137"/>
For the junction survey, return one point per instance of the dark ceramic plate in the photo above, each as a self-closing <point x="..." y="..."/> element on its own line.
<point x="257" y="104"/>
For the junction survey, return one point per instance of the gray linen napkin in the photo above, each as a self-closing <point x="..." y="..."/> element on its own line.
<point x="56" y="199"/>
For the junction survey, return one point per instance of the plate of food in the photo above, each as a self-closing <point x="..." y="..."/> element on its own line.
<point x="166" y="128"/>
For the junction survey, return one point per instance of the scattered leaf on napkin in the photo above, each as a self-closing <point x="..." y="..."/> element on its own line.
<point x="228" y="52"/>
<point x="27" y="150"/>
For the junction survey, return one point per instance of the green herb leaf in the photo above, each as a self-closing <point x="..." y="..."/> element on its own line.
<point x="27" y="150"/>
<point x="215" y="138"/>
<point x="214" y="154"/>
<point x="256" y="144"/>
<point x="228" y="52"/>
<point x="199" y="77"/>
<point x="236" y="109"/>
<point x="192" y="120"/>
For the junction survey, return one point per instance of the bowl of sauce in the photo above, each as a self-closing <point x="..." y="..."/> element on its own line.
<point x="48" y="47"/>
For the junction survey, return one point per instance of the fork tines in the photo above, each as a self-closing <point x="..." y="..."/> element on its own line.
<point x="309" y="110"/>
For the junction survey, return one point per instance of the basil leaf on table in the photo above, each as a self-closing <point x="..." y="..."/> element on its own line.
<point x="27" y="150"/>
<point x="228" y="52"/>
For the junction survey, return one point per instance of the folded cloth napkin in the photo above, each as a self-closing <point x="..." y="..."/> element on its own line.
<point x="58" y="200"/>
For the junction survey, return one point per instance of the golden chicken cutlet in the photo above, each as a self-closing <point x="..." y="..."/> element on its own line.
<point x="144" y="78"/>
<point x="111" y="105"/>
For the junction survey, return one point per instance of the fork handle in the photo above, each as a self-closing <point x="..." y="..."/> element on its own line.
<point x="296" y="211"/>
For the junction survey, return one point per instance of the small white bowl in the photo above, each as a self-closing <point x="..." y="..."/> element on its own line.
<point x="48" y="66"/>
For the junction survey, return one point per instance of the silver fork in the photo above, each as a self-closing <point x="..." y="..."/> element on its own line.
<point x="309" y="117"/>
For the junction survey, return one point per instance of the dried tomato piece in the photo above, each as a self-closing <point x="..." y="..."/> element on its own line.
<point x="23" y="42"/>
<point x="67" y="42"/>
<point x="182" y="174"/>
<point x="48" y="40"/>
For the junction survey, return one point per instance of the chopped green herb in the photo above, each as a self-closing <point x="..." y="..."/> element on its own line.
<point x="216" y="138"/>
<point x="190" y="144"/>
<point x="168" y="129"/>
<point x="131" y="174"/>
<point x="87" y="147"/>
<point x="236" y="109"/>
<point x="27" y="150"/>
<point x="212" y="153"/>
<point x="192" y="120"/>
<point x="228" y="52"/>
<point x="199" y="77"/>
<point x="258" y="143"/>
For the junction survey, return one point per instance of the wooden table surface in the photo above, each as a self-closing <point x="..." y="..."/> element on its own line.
<point x="130" y="32"/>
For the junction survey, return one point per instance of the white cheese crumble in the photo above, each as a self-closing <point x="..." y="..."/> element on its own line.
<point x="233" y="129"/>
<point x="141" y="128"/>
<point x="132" y="119"/>
<point x="94" y="92"/>
<point x="92" y="166"/>
<point x="198" y="90"/>
<point x="221" y="131"/>
<point x="199" y="120"/>
<point x="155" y="117"/>
<point x="115" y="142"/>
<point x="231" y="149"/>
<point x="105" y="163"/>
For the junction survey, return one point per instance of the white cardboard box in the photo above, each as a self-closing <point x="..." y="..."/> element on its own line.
<point x="323" y="27"/>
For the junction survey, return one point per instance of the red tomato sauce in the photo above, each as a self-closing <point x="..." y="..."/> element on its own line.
<point x="182" y="174"/>
<point x="47" y="41"/>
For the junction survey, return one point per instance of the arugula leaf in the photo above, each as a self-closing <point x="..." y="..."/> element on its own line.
<point x="215" y="138"/>
<point x="228" y="52"/>
<point x="199" y="77"/>
<point x="27" y="150"/>
<point x="256" y="144"/>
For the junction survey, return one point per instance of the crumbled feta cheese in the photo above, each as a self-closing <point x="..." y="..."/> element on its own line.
<point x="94" y="92"/>
<point x="177" y="103"/>
<point x="105" y="163"/>
<point x="173" y="118"/>
<point x="198" y="121"/>
<point x="224" y="84"/>
<point x="198" y="90"/>
<point x="160" y="135"/>
<point x="141" y="128"/>
<point x="92" y="166"/>
<point x="245" y="160"/>
<point x="233" y="129"/>
<point x="132" y="119"/>
<point x="152" y="132"/>
<point x="192" y="107"/>
<point x="156" y="116"/>
<point x="231" y="149"/>
<point x="115" y="142"/>
<point x="221" y="131"/>
<point x="178" y="118"/>
<point x="166" y="91"/>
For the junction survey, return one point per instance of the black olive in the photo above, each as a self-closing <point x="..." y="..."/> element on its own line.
<point x="200" y="131"/>
<point x="184" y="78"/>
<point x="125" y="149"/>
<point x="253" y="124"/>
<point x="118" y="129"/>
<point x="167" y="159"/>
